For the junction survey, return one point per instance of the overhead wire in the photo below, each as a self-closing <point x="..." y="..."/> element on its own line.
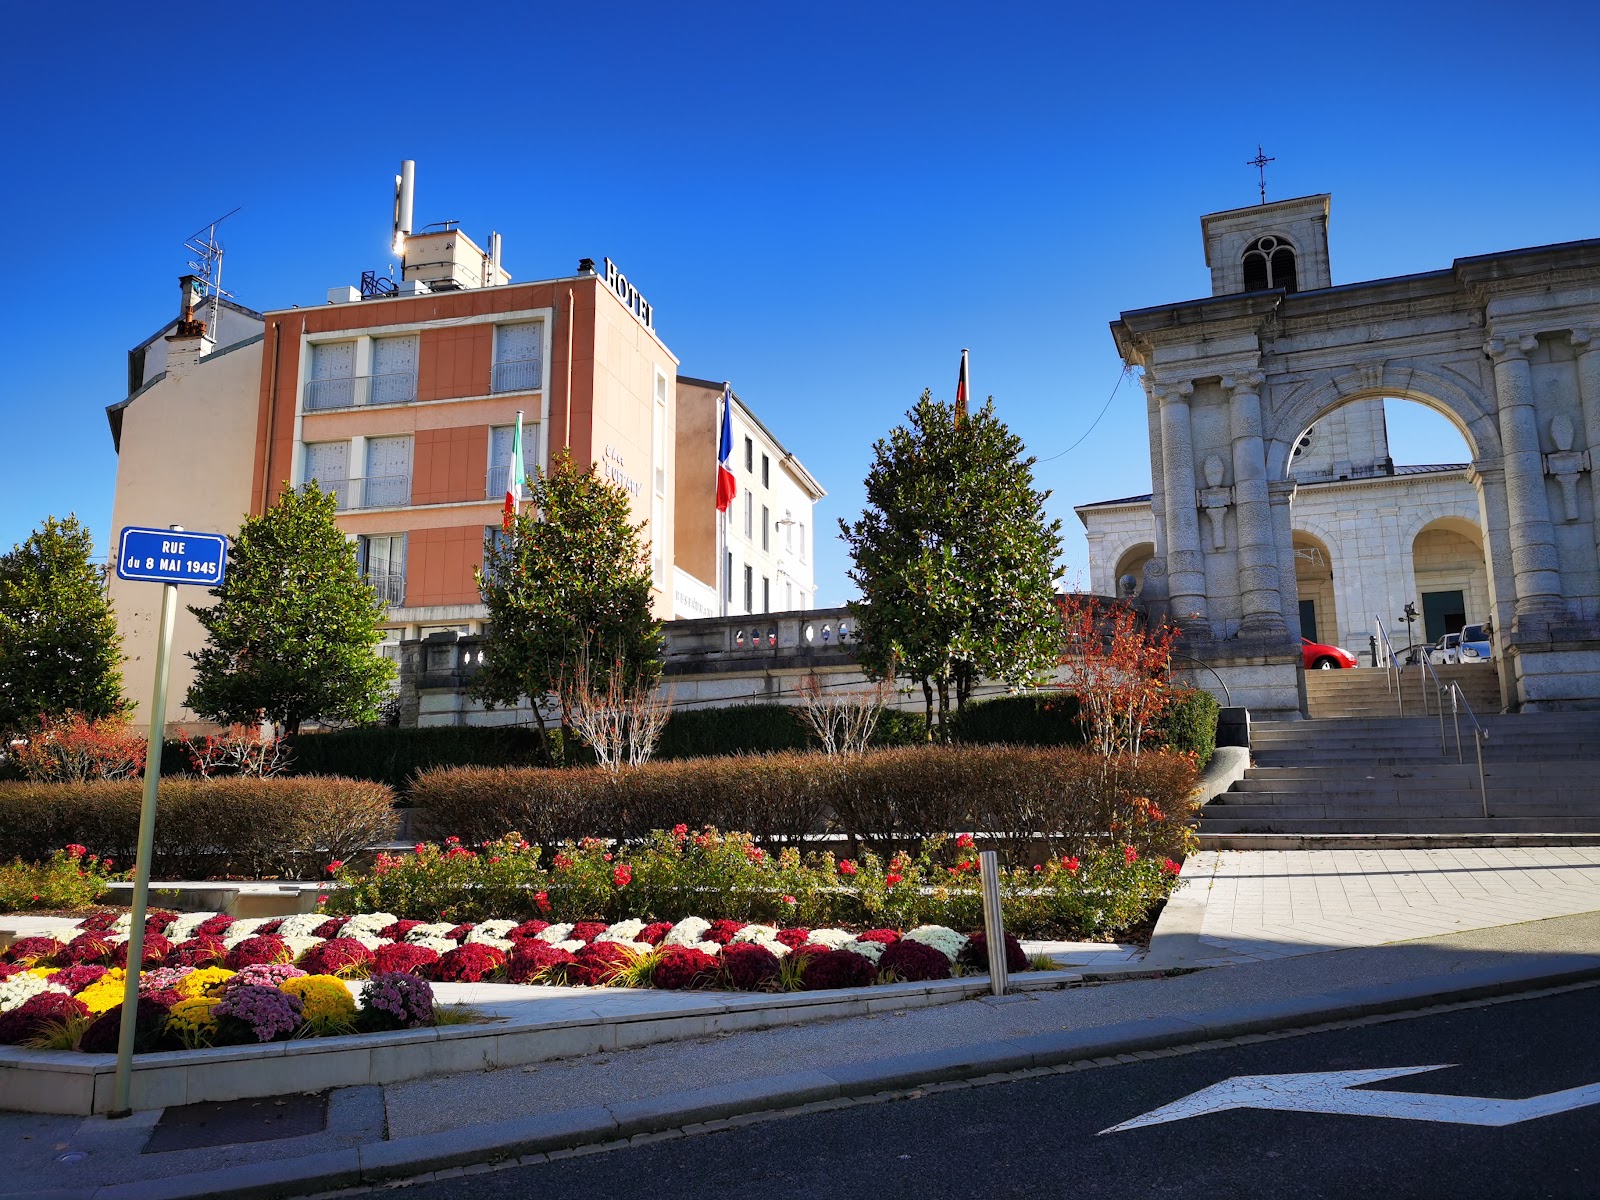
<point x="1104" y="408"/>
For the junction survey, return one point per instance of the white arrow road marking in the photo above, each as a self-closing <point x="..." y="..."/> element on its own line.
<point x="1329" y="1092"/>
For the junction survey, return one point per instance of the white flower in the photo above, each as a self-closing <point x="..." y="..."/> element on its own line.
<point x="868" y="950"/>
<point x="772" y="944"/>
<point x="555" y="934"/>
<point x="622" y="931"/>
<point x="756" y="933"/>
<point x="831" y="938"/>
<point x="240" y="930"/>
<point x="184" y="927"/>
<point x="942" y="938"/>
<point x="494" y="929"/>
<point x="686" y="932"/>
<point x="123" y="923"/>
<point x="21" y="988"/>
<point x="115" y="939"/>
<point x="711" y="948"/>
<point x="299" y="943"/>
<point x="370" y="940"/>
<point x="571" y="945"/>
<point x="367" y="923"/>
<point x="439" y="945"/>
<point x="301" y="925"/>
<point x="422" y="935"/>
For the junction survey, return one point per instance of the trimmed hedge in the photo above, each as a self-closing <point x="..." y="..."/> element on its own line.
<point x="1191" y="724"/>
<point x="394" y="756"/>
<point x="765" y="729"/>
<point x="206" y="828"/>
<point x="885" y="799"/>
<point x="1033" y="719"/>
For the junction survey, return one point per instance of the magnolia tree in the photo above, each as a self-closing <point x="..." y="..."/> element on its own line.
<point x="955" y="559"/>
<point x="568" y="586"/>
<point x="1120" y="672"/>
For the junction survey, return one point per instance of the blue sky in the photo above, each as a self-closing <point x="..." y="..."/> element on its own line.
<point x="824" y="203"/>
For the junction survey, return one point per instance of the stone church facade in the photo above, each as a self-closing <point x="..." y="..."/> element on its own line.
<point x="1275" y="507"/>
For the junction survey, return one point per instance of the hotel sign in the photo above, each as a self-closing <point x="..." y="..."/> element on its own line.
<point x="629" y="295"/>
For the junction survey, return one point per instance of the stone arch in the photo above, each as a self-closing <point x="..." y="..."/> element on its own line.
<point x="1453" y="396"/>
<point x="1132" y="561"/>
<point x="1316" y="579"/>
<point x="1448" y="563"/>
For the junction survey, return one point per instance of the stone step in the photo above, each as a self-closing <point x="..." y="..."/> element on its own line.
<point x="1300" y="784"/>
<point x="1465" y="825"/>
<point x="1292" y="807"/>
<point x="1390" y="841"/>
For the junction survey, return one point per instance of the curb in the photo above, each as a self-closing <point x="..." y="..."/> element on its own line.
<point x="404" y="1157"/>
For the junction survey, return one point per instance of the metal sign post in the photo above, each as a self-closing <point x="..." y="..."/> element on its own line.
<point x="155" y="555"/>
<point x="994" y="929"/>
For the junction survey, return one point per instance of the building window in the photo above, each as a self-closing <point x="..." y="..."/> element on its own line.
<point x="328" y="466"/>
<point x="788" y="597"/>
<point x="802" y="541"/>
<point x="766" y="594"/>
<point x="1269" y="263"/>
<point x="518" y="357"/>
<point x="788" y="531"/>
<point x="387" y="483"/>
<point x="658" y="500"/>
<point x="766" y="471"/>
<point x="749" y="455"/>
<point x="394" y="372"/>
<point x="749" y="588"/>
<point x="383" y="565"/>
<point x="333" y="376"/>
<point x="501" y="438"/>
<point x="749" y="515"/>
<point x="766" y="528"/>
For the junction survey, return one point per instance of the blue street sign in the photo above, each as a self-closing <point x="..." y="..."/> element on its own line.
<point x="172" y="556"/>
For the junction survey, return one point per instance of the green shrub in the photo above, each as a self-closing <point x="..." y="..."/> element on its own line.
<point x="72" y="878"/>
<point x="1190" y="724"/>
<point x="736" y="729"/>
<point x="1033" y="719"/>
<point x="677" y="873"/>
<point x="394" y="756"/>
<point x="887" y="799"/>
<point x="205" y="828"/>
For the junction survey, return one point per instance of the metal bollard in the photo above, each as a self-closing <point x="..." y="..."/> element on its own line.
<point x="994" y="929"/>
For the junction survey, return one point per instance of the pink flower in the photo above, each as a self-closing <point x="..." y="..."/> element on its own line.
<point x="322" y="899"/>
<point x="334" y="866"/>
<point x="891" y="880"/>
<point x="680" y="832"/>
<point x="452" y="840"/>
<point x="420" y="848"/>
<point x="754" y="853"/>
<point x="562" y="862"/>
<point x="847" y="867"/>
<point x="790" y="900"/>
<point x="1129" y="853"/>
<point x="622" y="875"/>
<point x="1038" y="866"/>
<point x="76" y="851"/>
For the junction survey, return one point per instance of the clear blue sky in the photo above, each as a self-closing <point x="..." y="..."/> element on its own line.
<point x="824" y="203"/>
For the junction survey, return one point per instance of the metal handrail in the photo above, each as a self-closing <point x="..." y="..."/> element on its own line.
<point x="1458" y="699"/>
<point x="360" y="391"/>
<point x="1479" y="736"/>
<point x="1391" y="673"/>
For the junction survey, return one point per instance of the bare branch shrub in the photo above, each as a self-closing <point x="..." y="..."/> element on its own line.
<point x="843" y="720"/>
<point x="238" y="750"/>
<point x="620" y="718"/>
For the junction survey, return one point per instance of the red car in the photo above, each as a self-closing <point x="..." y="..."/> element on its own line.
<point x="1325" y="658"/>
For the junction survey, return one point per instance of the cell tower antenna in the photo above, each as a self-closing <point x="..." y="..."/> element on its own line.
<point x="207" y="264"/>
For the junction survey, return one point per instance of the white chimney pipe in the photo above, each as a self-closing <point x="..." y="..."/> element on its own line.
<point x="405" y="188"/>
<point x="494" y="258"/>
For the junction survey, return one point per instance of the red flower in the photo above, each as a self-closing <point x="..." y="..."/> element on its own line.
<point x="562" y="862"/>
<point x="402" y="957"/>
<point x="155" y="949"/>
<point x="1130" y="854"/>
<point x="748" y="965"/>
<point x="1170" y="867"/>
<point x="587" y="931"/>
<point x="622" y="876"/>
<point x="1038" y="866"/>
<point x="329" y="928"/>
<point x="198" y="951"/>
<point x="420" y="848"/>
<point x="466" y="964"/>
<point x="793" y="937"/>
<point x="76" y="851"/>
<point x="847" y="867"/>
<point x="825" y="969"/>
<point x="964" y="841"/>
<point x="334" y="866"/>
<point x="527" y="930"/>
<point x="532" y="960"/>
<point x="268" y="949"/>
<point x="598" y="963"/>
<point x="680" y="832"/>
<point x="340" y="956"/>
<point x="721" y="932"/>
<point x="452" y="840"/>
<point x="683" y="967"/>
<point x="322" y="900"/>
<point x="397" y="931"/>
<point x="1070" y="862"/>
<point x="914" y="961"/>
<point x="608" y="857"/>
<point x="754" y="853"/>
<point x="654" y="932"/>
<point x="887" y="936"/>
<point x="790" y="900"/>
<point x="891" y="880"/>
<point x="542" y="899"/>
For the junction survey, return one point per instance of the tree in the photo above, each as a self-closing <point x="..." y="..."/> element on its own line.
<point x="955" y="559"/>
<point x="60" y="651"/>
<point x="294" y="632"/>
<point x="567" y="588"/>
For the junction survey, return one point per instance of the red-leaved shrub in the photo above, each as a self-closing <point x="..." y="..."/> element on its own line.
<point x="683" y="967"/>
<point x="911" y="962"/>
<point x="749" y="966"/>
<point x="466" y="964"/>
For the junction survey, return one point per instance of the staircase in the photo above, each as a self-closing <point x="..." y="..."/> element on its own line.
<point x="1370" y="781"/>
<point x="1369" y="692"/>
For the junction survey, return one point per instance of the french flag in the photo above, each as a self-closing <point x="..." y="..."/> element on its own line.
<point x="726" y="485"/>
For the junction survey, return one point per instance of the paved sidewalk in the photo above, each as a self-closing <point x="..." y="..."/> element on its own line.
<point x="1267" y="904"/>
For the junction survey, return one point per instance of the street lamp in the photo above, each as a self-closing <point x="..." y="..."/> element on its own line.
<point x="1410" y="619"/>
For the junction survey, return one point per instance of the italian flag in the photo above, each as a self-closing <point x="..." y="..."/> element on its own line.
<point x="514" y="479"/>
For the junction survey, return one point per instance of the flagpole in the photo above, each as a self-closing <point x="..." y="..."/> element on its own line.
<point x="722" y="517"/>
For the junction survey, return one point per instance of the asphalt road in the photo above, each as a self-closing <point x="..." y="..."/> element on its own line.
<point x="1041" y="1137"/>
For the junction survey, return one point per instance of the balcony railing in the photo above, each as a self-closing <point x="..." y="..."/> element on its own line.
<point x="390" y="586"/>
<point x="378" y="491"/>
<point x="500" y="482"/>
<point x="357" y="391"/>
<point x="517" y="375"/>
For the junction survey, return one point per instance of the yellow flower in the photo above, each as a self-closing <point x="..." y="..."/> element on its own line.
<point x="102" y="995"/>
<point x="323" y="996"/>
<point x="192" y="1021"/>
<point x="207" y="981"/>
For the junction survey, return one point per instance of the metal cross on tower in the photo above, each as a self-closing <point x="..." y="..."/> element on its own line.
<point x="1259" y="162"/>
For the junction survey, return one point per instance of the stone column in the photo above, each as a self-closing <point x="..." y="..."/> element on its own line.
<point x="1186" y="561"/>
<point x="1280" y="504"/>
<point x="1260" y="591"/>
<point x="1586" y="349"/>
<point x="1535" y="564"/>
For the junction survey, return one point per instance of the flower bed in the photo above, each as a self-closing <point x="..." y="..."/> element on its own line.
<point x="65" y="995"/>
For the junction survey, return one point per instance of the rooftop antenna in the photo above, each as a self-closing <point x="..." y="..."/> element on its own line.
<point x="207" y="265"/>
<point x="1259" y="162"/>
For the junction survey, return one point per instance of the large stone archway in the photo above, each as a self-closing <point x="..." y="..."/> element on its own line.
<point x="1505" y="345"/>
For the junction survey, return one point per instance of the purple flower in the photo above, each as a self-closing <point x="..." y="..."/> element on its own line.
<point x="268" y="1013"/>
<point x="268" y="975"/>
<point x="397" y="1001"/>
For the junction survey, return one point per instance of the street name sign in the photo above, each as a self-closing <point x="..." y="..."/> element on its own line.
<point x="169" y="556"/>
<point x="1329" y="1092"/>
